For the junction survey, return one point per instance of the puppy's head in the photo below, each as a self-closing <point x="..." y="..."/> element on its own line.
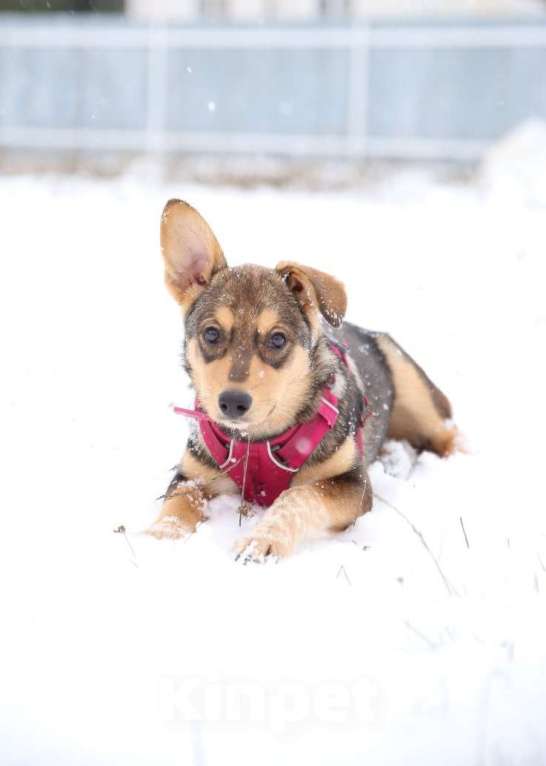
<point x="251" y="332"/>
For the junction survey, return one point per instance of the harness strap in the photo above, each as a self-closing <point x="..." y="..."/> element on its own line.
<point x="196" y="413"/>
<point x="308" y="436"/>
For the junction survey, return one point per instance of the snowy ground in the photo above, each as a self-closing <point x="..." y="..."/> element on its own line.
<point x="366" y="648"/>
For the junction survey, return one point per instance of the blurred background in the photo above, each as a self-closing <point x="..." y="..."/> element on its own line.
<point x="406" y="144"/>
<point x="98" y="84"/>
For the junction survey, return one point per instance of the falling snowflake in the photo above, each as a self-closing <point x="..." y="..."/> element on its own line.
<point x="304" y="445"/>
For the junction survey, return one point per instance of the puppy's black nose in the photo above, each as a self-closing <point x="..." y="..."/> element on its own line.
<point x="234" y="403"/>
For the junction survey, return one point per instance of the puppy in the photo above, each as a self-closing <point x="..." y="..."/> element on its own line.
<point x="292" y="405"/>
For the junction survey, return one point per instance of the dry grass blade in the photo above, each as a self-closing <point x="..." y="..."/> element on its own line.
<point x="449" y="587"/>
<point x="464" y="532"/>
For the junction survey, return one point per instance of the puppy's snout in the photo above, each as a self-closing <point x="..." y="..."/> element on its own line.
<point x="234" y="404"/>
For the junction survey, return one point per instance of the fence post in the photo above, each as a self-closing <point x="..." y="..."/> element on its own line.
<point x="357" y="102"/>
<point x="156" y="96"/>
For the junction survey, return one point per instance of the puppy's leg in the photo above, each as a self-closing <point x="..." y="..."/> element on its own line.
<point x="420" y="409"/>
<point x="306" y="511"/>
<point x="182" y="510"/>
<point x="186" y="498"/>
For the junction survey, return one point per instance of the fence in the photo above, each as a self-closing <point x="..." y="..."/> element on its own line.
<point x="433" y="90"/>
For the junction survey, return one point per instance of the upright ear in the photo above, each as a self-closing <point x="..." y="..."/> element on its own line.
<point x="315" y="289"/>
<point x="190" y="250"/>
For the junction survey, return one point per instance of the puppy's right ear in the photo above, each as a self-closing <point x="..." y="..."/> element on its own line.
<point x="190" y="250"/>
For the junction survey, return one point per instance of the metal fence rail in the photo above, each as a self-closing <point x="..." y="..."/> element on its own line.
<point x="379" y="90"/>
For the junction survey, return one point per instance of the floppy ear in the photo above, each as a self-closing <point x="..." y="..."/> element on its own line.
<point x="190" y="250"/>
<point x="314" y="288"/>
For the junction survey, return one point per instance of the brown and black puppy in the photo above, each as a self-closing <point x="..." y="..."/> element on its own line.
<point x="258" y="350"/>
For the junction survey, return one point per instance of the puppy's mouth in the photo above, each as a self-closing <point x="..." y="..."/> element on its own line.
<point x="244" y="423"/>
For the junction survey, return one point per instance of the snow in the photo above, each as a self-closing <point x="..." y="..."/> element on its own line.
<point x="514" y="167"/>
<point x="417" y="636"/>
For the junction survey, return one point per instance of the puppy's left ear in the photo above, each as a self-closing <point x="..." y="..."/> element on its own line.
<point x="190" y="250"/>
<point x="315" y="289"/>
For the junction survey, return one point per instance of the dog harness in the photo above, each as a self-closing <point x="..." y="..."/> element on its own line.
<point x="264" y="469"/>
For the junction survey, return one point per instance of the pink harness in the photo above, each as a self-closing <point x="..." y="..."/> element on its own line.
<point x="264" y="469"/>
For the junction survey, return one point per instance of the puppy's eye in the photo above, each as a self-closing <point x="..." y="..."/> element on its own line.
<point x="277" y="340"/>
<point x="211" y="334"/>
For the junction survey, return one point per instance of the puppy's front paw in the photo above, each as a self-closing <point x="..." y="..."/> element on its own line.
<point x="267" y="542"/>
<point x="169" y="528"/>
